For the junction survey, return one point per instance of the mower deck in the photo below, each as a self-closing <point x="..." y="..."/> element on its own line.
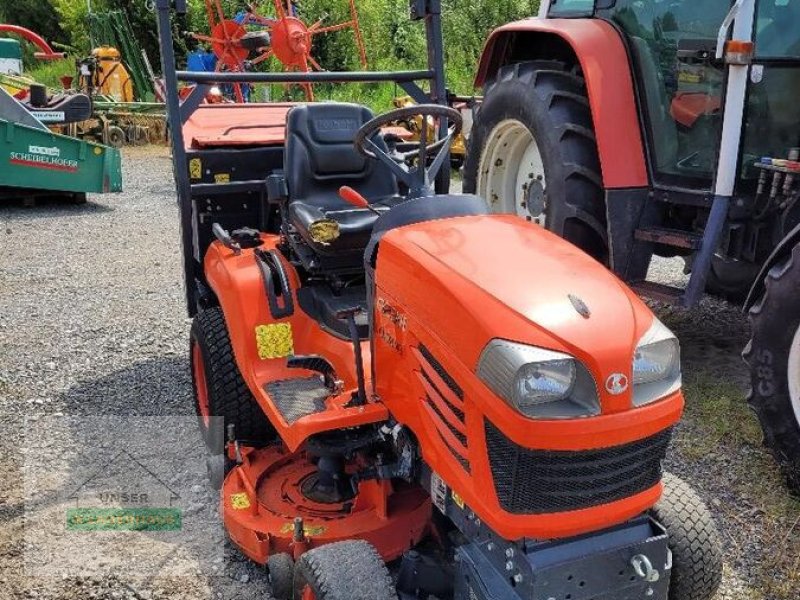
<point x="266" y="510"/>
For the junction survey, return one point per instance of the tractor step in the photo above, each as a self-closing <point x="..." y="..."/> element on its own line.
<point x="658" y="291"/>
<point x="670" y="237"/>
<point x="298" y="398"/>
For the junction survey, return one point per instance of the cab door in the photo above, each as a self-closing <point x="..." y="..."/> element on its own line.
<point x="681" y="84"/>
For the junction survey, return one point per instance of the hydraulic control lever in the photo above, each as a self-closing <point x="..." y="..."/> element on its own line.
<point x="349" y="315"/>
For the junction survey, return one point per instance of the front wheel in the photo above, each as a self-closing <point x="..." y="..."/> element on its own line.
<point x="533" y="153"/>
<point x="350" y="570"/>
<point x="693" y="541"/>
<point x="773" y="356"/>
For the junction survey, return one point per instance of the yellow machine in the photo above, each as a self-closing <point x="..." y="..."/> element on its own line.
<point x="458" y="147"/>
<point x="103" y="74"/>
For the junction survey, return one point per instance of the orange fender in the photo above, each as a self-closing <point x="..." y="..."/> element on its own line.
<point x="606" y="67"/>
<point x="237" y="283"/>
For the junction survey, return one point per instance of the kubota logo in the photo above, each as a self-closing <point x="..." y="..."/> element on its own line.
<point x="616" y="383"/>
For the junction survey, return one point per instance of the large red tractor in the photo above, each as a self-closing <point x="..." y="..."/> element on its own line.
<point x="668" y="128"/>
<point x="420" y="399"/>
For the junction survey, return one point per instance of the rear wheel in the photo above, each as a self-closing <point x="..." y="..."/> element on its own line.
<point x="693" y="541"/>
<point x="219" y="389"/>
<point x="773" y="356"/>
<point x="533" y="153"/>
<point x="350" y="570"/>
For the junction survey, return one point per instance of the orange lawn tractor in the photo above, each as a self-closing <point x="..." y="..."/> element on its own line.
<point x="420" y="399"/>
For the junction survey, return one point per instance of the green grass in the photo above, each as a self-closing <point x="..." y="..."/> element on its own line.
<point x="719" y="409"/>
<point x="49" y="72"/>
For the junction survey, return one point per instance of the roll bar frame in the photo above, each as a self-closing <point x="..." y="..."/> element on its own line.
<point x="179" y="111"/>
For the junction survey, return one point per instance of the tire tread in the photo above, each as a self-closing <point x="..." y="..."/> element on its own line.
<point x="774" y="411"/>
<point x="350" y="570"/>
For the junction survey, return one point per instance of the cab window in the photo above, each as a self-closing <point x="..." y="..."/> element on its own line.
<point x="777" y="30"/>
<point x="571" y="7"/>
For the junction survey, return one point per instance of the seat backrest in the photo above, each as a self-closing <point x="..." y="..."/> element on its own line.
<point x="320" y="157"/>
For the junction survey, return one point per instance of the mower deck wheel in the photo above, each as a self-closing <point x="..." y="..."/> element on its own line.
<point x="693" y="540"/>
<point x="281" y="576"/>
<point x="219" y="389"/>
<point x="350" y="570"/>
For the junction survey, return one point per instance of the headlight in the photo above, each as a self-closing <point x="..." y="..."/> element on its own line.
<point x="656" y="365"/>
<point x="539" y="383"/>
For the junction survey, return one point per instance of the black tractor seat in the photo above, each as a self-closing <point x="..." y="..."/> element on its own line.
<point x="355" y="224"/>
<point x="319" y="159"/>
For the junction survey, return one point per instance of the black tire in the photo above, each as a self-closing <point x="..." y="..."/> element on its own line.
<point x="281" y="576"/>
<point x="775" y="320"/>
<point x="731" y="280"/>
<point x="350" y="570"/>
<point x="693" y="540"/>
<point x="228" y="394"/>
<point x="551" y="101"/>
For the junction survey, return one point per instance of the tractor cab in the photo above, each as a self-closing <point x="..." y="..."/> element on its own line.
<point x="682" y="75"/>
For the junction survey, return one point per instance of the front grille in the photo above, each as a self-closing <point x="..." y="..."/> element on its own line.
<point x="548" y="481"/>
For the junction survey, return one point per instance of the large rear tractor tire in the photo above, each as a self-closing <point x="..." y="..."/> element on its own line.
<point x="350" y="570"/>
<point x="773" y="356"/>
<point x="693" y="540"/>
<point x="219" y="389"/>
<point x="533" y="153"/>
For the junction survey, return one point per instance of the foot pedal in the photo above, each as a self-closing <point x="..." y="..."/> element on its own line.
<point x="658" y="291"/>
<point x="670" y="237"/>
<point x="298" y="398"/>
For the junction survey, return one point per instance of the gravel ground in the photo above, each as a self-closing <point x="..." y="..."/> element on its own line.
<point x="92" y="322"/>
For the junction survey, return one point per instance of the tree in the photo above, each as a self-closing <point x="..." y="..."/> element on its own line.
<point x="35" y="15"/>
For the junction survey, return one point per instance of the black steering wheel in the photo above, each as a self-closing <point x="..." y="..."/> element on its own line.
<point x="418" y="177"/>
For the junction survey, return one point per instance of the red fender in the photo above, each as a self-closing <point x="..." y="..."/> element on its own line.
<point x="237" y="283"/>
<point x="606" y="68"/>
<point x="47" y="53"/>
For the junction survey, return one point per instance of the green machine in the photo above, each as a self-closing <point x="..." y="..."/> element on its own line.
<point x="35" y="161"/>
<point x="10" y="57"/>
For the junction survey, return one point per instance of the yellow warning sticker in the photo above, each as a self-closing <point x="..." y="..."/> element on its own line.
<point x="459" y="501"/>
<point x="222" y="177"/>
<point x="308" y="530"/>
<point x="274" y="341"/>
<point x="240" y="501"/>
<point x="195" y="168"/>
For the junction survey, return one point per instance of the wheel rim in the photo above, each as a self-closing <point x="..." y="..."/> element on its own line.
<point x="793" y="375"/>
<point x="511" y="173"/>
<point x="200" y="385"/>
